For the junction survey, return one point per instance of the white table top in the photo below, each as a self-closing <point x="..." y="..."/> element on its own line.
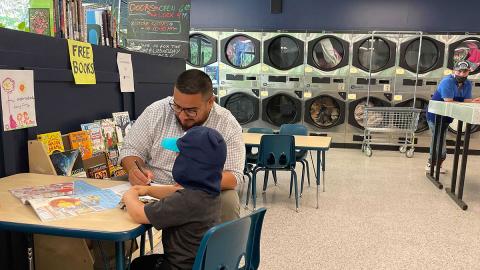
<point x="466" y="112"/>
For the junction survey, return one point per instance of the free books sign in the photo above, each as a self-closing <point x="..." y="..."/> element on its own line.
<point x="159" y="27"/>
<point x="81" y="59"/>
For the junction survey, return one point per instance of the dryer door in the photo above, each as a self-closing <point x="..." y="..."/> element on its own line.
<point x="284" y="52"/>
<point x="357" y="112"/>
<point x="431" y="58"/>
<point x="281" y="109"/>
<point x="203" y="50"/>
<point x="244" y="107"/>
<point x="240" y="51"/>
<point x="467" y="49"/>
<point x="383" y="56"/>
<point x="420" y="103"/>
<point x="324" y="111"/>
<point x="328" y="53"/>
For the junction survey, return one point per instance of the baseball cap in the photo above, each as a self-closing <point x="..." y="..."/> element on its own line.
<point x="462" y="65"/>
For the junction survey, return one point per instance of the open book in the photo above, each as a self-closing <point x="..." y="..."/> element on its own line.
<point x="53" y="205"/>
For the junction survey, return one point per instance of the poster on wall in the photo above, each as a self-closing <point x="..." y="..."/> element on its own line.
<point x="125" y="71"/>
<point x="159" y="27"/>
<point x="18" y="99"/>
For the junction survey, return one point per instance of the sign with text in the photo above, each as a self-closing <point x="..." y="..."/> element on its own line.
<point x="159" y="27"/>
<point x="81" y="59"/>
<point x="125" y="71"/>
<point x="18" y="99"/>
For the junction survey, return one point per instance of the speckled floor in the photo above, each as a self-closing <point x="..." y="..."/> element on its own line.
<point x="377" y="213"/>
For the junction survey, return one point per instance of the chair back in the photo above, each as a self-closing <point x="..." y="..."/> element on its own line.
<point x="293" y="129"/>
<point x="263" y="130"/>
<point x="277" y="152"/>
<point x="232" y="245"/>
<point x="250" y="156"/>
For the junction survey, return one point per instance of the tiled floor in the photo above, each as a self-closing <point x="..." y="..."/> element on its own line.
<point x="376" y="213"/>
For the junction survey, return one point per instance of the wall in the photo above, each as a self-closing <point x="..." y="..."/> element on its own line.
<point x="426" y="15"/>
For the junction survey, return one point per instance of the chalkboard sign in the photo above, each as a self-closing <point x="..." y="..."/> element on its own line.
<point x="159" y="27"/>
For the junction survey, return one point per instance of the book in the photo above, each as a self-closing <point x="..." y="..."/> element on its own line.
<point x="52" y="141"/>
<point x="99" y="171"/>
<point x="39" y="19"/>
<point x="68" y="163"/>
<point x="110" y="140"/>
<point x="95" y="132"/>
<point x="122" y="124"/>
<point x="81" y="140"/>
<point x="48" y="209"/>
<point x="47" y="191"/>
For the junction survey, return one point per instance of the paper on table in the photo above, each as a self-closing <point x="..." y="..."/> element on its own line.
<point x="121" y="189"/>
<point x="125" y="71"/>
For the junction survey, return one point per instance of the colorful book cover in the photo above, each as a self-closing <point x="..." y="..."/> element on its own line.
<point x="109" y="133"/>
<point x="52" y="141"/>
<point x="122" y="124"/>
<point x="68" y="163"/>
<point x="96" y="136"/>
<point x="47" y="4"/>
<point x="81" y="140"/>
<point x="39" y="19"/>
<point x="98" y="172"/>
<point x="47" y="191"/>
<point x="74" y="205"/>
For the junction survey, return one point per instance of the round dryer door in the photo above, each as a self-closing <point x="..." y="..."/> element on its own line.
<point x="244" y="107"/>
<point x="203" y="50"/>
<point x="419" y="104"/>
<point x="467" y="49"/>
<point x="383" y="56"/>
<point x="329" y="53"/>
<point x="324" y="111"/>
<point x="241" y="51"/>
<point x="284" y="52"/>
<point x="281" y="109"/>
<point x="453" y="127"/>
<point x="357" y="112"/>
<point x="431" y="57"/>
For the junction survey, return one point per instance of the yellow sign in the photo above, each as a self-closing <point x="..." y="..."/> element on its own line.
<point x="81" y="59"/>
<point x="447" y="72"/>
<point x="352" y="96"/>
<point x="398" y="97"/>
<point x="353" y="70"/>
<point x="264" y="93"/>
<point x="400" y="71"/>
<point x="307" y="94"/>
<point x="308" y="69"/>
<point x="222" y="93"/>
<point x="264" y="68"/>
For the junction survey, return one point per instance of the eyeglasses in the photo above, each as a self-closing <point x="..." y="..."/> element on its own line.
<point x="191" y="113"/>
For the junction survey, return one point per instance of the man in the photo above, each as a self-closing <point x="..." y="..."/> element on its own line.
<point x="192" y="104"/>
<point x="452" y="88"/>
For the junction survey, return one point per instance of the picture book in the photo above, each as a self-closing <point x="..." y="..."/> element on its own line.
<point x="116" y="171"/>
<point x="108" y="132"/>
<point x="68" y="163"/>
<point x="122" y="124"/>
<point x="55" y="208"/>
<point x="39" y="19"/>
<point x="96" y="136"/>
<point x="52" y="141"/>
<point x="99" y="171"/>
<point x="81" y="140"/>
<point x="47" y="191"/>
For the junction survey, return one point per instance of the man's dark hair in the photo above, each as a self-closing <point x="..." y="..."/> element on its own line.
<point x="194" y="81"/>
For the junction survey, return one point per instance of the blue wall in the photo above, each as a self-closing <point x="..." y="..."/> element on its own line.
<point x="426" y="15"/>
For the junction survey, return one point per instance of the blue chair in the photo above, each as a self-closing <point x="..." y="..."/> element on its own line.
<point x="300" y="155"/>
<point x="224" y="245"/>
<point x="277" y="153"/>
<point x="251" y="158"/>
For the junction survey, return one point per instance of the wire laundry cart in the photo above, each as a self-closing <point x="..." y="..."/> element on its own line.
<point x="391" y="121"/>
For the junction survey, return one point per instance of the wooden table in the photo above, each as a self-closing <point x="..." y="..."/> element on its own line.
<point x="463" y="112"/>
<point x="321" y="144"/>
<point x="113" y="224"/>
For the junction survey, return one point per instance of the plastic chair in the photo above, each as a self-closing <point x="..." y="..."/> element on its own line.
<point x="277" y="153"/>
<point x="300" y="155"/>
<point x="251" y="158"/>
<point x="224" y="245"/>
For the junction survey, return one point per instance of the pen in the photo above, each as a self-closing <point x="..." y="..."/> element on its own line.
<point x="140" y="168"/>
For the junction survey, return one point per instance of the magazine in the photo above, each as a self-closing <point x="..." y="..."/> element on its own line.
<point x="47" y="191"/>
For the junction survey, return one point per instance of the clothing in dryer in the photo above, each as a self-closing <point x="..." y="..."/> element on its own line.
<point x="374" y="118"/>
<point x="240" y="51"/>
<point x="325" y="112"/>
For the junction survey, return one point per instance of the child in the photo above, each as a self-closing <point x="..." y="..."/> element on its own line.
<point x="185" y="215"/>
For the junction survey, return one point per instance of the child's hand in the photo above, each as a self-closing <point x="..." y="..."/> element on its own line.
<point x="131" y="194"/>
<point x="141" y="190"/>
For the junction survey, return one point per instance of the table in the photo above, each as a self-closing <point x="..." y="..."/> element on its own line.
<point x="113" y="224"/>
<point x="463" y="112"/>
<point x="321" y="144"/>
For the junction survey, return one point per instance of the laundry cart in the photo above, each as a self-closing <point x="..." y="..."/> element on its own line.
<point x="390" y="121"/>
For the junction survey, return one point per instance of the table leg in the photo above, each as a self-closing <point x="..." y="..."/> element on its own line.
<point x="318" y="173"/>
<point x="150" y="237"/>
<point x="456" y="155"/>
<point x="142" y="244"/>
<point x="31" y="265"/>
<point x="437" y="152"/>
<point x="323" y="169"/>
<point x="120" y="255"/>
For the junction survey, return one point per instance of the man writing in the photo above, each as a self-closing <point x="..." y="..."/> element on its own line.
<point x="192" y="104"/>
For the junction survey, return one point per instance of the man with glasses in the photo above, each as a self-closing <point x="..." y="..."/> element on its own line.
<point x="192" y="104"/>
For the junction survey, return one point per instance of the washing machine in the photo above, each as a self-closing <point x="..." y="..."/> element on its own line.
<point x="466" y="48"/>
<point x="326" y="74"/>
<point x="203" y="53"/>
<point x="283" y="53"/>
<point x="281" y="100"/>
<point x="431" y="69"/>
<point x="381" y="82"/>
<point x="244" y="104"/>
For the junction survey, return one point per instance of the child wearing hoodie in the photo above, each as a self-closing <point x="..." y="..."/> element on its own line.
<point x="188" y="213"/>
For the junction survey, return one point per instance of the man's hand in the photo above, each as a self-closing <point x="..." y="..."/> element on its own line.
<point x="136" y="177"/>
